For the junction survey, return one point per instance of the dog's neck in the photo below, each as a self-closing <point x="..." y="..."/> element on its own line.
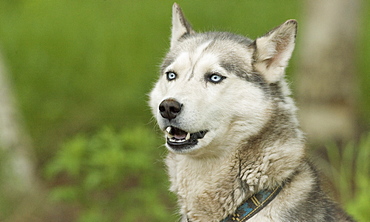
<point x="209" y="189"/>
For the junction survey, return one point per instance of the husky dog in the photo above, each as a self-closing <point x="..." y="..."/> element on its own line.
<point x="236" y="151"/>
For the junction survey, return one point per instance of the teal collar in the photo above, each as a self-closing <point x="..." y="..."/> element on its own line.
<point x="253" y="205"/>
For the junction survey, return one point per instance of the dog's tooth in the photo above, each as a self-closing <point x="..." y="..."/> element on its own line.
<point x="187" y="136"/>
<point x="168" y="129"/>
<point x="167" y="132"/>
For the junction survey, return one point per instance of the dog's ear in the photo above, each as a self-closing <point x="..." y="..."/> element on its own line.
<point x="273" y="51"/>
<point x="180" y="26"/>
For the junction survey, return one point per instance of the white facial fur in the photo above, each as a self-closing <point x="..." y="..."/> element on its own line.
<point x="232" y="107"/>
<point x="206" y="106"/>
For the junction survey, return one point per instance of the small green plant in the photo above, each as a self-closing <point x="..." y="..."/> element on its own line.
<point x="113" y="176"/>
<point x="349" y="171"/>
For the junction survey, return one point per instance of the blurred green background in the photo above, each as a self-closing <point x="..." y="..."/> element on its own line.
<point x="81" y="71"/>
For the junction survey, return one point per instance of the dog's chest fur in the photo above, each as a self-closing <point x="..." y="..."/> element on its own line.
<point x="211" y="188"/>
<point x="202" y="196"/>
<point x="197" y="184"/>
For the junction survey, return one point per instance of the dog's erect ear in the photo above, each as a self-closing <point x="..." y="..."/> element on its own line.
<point x="273" y="51"/>
<point x="180" y="26"/>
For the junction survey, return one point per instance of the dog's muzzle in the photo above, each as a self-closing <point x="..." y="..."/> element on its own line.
<point x="177" y="138"/>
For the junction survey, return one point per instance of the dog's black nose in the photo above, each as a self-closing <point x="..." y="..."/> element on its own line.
<point x="169" y="108"/>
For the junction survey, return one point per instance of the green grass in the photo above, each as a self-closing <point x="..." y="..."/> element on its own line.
<point x="348" y="171"/>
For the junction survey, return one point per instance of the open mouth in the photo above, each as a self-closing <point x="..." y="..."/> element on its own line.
<point x="180" y="139"/>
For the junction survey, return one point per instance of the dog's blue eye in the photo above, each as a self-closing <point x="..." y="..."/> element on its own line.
<point x="215" y="78"/>
<point x="171" y="76"/>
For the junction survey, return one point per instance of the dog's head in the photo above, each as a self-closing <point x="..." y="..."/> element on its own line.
<point x="216" y="89"/>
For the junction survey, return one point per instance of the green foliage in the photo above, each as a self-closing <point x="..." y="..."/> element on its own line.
<point x="112" y="176"/>
<point x="78" y="65"/>
<point x="349" y="171"/>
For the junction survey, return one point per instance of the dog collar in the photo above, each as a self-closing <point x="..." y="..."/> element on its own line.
<point x="253" y="205"/>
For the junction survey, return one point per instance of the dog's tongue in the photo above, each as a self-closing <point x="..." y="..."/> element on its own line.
<point x="179" y="134"/>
